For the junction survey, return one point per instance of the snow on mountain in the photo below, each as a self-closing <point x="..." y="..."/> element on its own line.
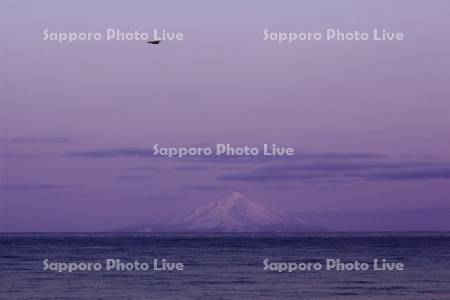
<point x="235" y="213"/>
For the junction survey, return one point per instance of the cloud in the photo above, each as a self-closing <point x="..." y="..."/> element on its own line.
<point x="191" y="168"/>
<point x="234" y="168"/>
<point x="141" y="169"/>
<point x="38" y="140"/>
<point x="303" y="167"/>
<point x="132" y="177"/>
<point x="344" y="171"/>
<point x="301" y="156"/>
<point x="264" y="175"/>
<point x="282" y="187"/>
<point x="208" y="187"/>
<point x="338" y="166"/>
<point x="415" y="174"/>
<point x="214" y="159"/>
<point x="164" y="197"/>
<point x="16" y="156"/>
<point x="38" y="187"/>
<point x="123" y="152"/>
<point x="338" y="155"/>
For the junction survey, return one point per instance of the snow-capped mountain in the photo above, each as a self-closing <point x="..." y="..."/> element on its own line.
<point x="234" y="213"/>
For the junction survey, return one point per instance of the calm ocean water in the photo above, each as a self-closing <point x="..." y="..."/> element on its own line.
<point x="225" y="266"/>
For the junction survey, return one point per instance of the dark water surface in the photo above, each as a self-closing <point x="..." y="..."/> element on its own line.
<point x="225" y="266"/>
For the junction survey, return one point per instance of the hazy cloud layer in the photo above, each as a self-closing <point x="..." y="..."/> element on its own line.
<point x="132" y="177"/>
<point x="37" y="187"/>
<point x="164" y="197"/>
<point x="38" y="140"/>
<point x="208" y="187"/>
<point x="105" y="153"/>
<point x="345" y="170"/>
<point x="303" y="167"/>
<point x="414" y="174"/>
<point x="301" y="156"/>
<point x="191" y="168"/>
<point x="152" y="169"/>
<point x="16" y="156"/>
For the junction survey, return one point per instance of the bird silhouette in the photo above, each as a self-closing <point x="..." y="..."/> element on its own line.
<point x="154" y="42"/>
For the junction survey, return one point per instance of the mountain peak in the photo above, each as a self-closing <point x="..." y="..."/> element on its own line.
<point x="234" y="199"/>
<point x="237" y="195"/>
<point x="234" y="213"/>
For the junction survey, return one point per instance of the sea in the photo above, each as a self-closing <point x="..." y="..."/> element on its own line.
<point x="224" y="266"/>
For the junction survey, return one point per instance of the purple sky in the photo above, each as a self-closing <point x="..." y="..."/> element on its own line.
<point x="370" y="120"/>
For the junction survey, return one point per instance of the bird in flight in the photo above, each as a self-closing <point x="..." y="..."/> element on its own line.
<point x="154" y="42"/>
